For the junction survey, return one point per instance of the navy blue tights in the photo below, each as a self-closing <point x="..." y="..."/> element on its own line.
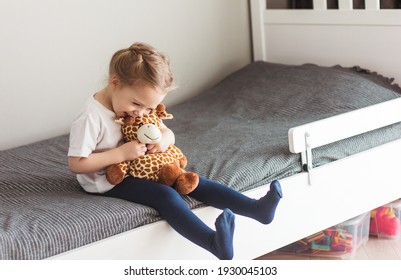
<point x="176" y="212"/>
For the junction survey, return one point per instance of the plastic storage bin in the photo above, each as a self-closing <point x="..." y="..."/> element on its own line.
<point x="340" y="241"/>
<point x="385" y="221"/>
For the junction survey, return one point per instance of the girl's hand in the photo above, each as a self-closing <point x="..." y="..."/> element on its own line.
<point x="132" y="150"/>
<point x="168" y="139"/>
<point x="157" y="148"/>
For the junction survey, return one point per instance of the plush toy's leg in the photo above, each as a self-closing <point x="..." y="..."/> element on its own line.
<point x="172" y="175"/>
<point x="186" y="182"/>
<point x="115" y="173"/>
<point x="169" y="173"/>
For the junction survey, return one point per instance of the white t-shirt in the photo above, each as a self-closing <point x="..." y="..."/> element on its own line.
<point x="94" y="130"/>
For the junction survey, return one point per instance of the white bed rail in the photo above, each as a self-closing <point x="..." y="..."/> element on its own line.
<point x="343" y="126"/>
<point x="344" y="15"/>
<point x="302" y="139"/>
<point x="346" y="4"/>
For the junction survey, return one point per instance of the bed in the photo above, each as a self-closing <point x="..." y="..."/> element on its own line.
<point x="327" y="126"/>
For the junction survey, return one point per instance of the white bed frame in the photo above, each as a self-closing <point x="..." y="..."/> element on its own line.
<point x="326" y="195"/>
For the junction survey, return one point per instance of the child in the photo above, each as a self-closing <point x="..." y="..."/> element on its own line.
<point x="139" y="79"/>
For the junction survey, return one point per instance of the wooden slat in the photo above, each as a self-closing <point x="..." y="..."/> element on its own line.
<point x="345" y="5"/>
<point x="258" y="7"/>
<point x="319" y="4"/>
<point x="372" y="4"/>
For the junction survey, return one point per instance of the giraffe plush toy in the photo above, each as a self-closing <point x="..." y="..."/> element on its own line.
<point x="167" y="167"/>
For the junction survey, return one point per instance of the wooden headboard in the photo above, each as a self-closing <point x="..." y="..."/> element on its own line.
<point x="369" y="38"/>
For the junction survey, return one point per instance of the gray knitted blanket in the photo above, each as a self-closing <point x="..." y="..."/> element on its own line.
<point x="235" y="133"/>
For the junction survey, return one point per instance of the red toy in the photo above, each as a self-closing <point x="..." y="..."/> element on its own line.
<point x="383" y="221"/>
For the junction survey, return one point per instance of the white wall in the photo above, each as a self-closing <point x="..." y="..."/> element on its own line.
<point x="54" y="54"/>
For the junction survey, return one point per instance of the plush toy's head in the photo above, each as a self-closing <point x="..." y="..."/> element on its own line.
<point x="149" y="134"/>
<point x="145" y="129"/>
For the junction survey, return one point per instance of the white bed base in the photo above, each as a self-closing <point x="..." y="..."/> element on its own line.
<point x="334" y="192"/>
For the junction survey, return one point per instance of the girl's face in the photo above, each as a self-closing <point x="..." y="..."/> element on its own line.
<point x="135" y="101"/>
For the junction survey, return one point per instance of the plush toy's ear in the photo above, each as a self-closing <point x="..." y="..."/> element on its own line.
<point x="161" y="112"/>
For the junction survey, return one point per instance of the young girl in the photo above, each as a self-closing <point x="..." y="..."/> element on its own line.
<point x="139" y="79"/>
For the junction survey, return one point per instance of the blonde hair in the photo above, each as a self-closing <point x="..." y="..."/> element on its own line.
<point x="142" y="63"/>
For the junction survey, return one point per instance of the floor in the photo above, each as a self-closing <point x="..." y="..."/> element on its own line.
<point x="374" y="249"/>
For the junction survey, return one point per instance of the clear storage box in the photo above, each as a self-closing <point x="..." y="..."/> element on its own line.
<point x="385" y="221"/>
<point x="340" y="241"/>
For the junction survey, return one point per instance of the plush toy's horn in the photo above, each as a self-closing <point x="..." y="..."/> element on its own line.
<point x="120" y="121"/>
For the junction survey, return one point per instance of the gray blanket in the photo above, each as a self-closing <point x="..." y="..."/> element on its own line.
<point x="235" y="133"/>
<point x="243" y="121"/>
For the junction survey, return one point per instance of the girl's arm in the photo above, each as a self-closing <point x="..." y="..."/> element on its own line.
<point x="98" y="161"/>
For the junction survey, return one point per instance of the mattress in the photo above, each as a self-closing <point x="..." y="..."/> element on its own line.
<point x="234" y="133"/>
